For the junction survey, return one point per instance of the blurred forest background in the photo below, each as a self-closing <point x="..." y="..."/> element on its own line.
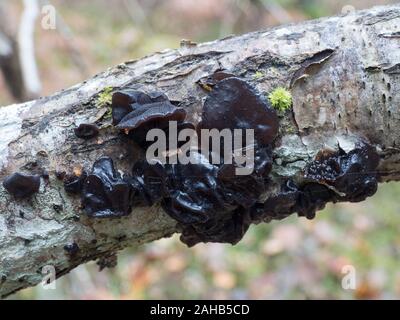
<point x="294" y="258"/>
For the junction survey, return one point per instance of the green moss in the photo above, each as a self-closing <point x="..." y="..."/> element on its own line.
<point x="290" y="129"/>
<point x="105" y="97"/>
<point x="104" y="101"/>
<point x="258" y="75"/>
<point x="280" y="99"/>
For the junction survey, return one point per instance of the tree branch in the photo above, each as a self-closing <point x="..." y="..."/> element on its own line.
<point x="344" y="77"/>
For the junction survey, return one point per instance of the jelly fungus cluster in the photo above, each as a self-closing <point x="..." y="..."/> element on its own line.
<point x="209" y="201"/>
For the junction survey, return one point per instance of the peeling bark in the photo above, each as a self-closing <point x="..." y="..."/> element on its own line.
<point x="344" y="76"/>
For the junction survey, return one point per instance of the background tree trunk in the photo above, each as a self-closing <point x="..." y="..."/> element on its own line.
<point x="344" y="76"/>
<point x="17" y="53"/>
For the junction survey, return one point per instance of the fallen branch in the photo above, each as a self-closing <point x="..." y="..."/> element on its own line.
<point x="344" y="79"/>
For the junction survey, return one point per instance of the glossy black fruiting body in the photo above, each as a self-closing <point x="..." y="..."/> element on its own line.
<point x="123" y="103"/>
<point x="193" y="195"/>
<point x="352" y="176"/>
<point x="72" y="248"/>
<point x="86" y="131"/>
<point x="149" y="116"/>
<point x="149" y="182"/>
<point x="331" y="177"/>
<point x="137" y="112"/>
<point x="104" y="193"/>
<point x="208" y="82"/>
<point x="304" y="200"/>
<point x="235" y="104"/>
<point x="279" y="206"/>
<point x="22" y="185"/>
<point x="74" y="183"/>
<point x="209" y="201"/>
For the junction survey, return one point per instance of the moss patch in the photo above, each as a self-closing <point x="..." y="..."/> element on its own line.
<point x="258" y="75"/>
<point x="280" y="99"/>
<point x="104" y="101"/>
<point x="105" y="97"/>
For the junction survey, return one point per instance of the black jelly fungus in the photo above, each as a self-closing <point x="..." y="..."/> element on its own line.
<point x="105" y="194"/>
<point x="86" y="131"/>
<point x="156" y="113"/>
<point x="351" y="175"/>
<point x="333" y="176"/>
<point x="72" y="248"/>
<point x="148" y="182"/>
<point x="74" y="183"/>
<point x="123" y="102"/>
<point x="130" y="96"/>
<point x="235" y="104"/>
<point x="157" y="96"/>
<point x="209" y="82"/>
<point x="210" y="202"/>
<point x="22" y="185"/>
<point x="137" y="112"/>
<point x="127" y="100"/>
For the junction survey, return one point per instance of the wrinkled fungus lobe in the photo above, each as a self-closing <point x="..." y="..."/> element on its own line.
<point x="136" y="113"/>
<point x="332" y="177"/>
<point x="105" y="194"/>
<point x="351" y="176"/>
<point x="208" y="82"/>
<point x="235" y="104"/>
<point x="22" y="185"/>
<point x="74" y="183"/>
<point x="123" y="103"/>
<point x="86" y="131"/>
<point x="157" y="114"/>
